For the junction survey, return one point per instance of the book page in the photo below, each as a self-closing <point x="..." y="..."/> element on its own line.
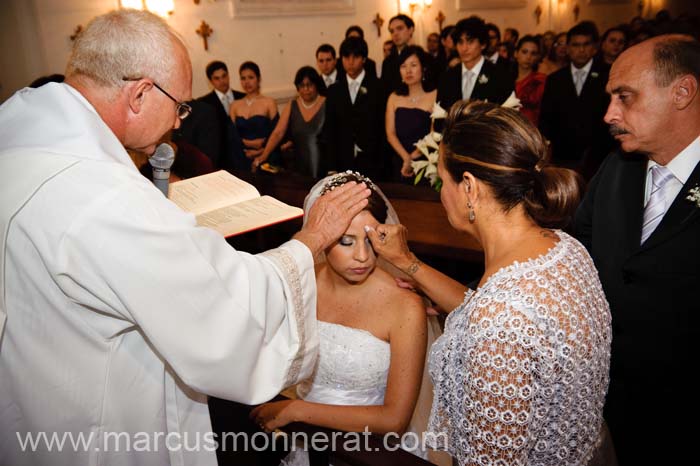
<point x="248" y="215"/>
<point x="210" y="192"/>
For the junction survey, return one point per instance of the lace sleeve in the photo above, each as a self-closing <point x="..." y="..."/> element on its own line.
<point x="500" y="387"/>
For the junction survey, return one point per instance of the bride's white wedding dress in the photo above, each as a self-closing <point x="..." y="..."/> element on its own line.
<point x="352" y="369"/>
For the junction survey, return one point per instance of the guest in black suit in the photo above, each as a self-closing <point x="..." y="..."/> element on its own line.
<point x="220" y="99"/>
<point x="353" y="134"/>
<point x="370" y="65"/>
<point x="645" y="241"/>
<point x="326" y="63"/>
<point x="477" y="78"/>
<point x="573" y="105"/>
<point x="202" y="130"/>
<point x="401" y="28"/>
<point x="492" y="47"/>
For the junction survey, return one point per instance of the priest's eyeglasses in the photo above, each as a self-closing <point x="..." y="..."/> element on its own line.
<point x="182" y="109"/>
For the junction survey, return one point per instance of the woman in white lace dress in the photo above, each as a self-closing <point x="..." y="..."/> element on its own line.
<point x="521" y="372"/>
<point x="372" y="338"/>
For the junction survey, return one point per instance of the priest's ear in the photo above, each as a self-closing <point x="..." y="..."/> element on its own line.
<point x="137" y="94"/>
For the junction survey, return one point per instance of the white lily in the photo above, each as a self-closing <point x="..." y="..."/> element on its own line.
<point x="437" y="137"/>
<point x="430" y="141"/>
<point x="438" y="111"/>
<point x="512" y="102"/>
<point x="422" y="146"/>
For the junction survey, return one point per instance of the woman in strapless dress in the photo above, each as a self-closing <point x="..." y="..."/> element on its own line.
<point x="255" y="116"/>
<point x="408" y="112"/>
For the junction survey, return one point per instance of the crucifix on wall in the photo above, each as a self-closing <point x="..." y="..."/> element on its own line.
<point x="378" y="21"/>
<point x="204" y="32"/>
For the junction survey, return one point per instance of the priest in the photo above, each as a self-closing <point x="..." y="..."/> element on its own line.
<point x="118" y="315"/>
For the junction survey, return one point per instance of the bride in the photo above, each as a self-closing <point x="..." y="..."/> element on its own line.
<point x="372" y="338"/>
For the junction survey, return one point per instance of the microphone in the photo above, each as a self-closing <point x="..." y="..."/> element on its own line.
<point x="161" y="161"/>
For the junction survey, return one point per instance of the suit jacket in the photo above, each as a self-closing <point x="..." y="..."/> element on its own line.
<point x="574" y="124"/>
<point x="655" y="307"/>
<point x="202" y="130"/>
<point x="361" y="123"/>
<point x="229" y="142"/>
<point x="494" y="84"/>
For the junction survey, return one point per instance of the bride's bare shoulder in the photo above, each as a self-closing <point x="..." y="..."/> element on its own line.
<point x="396" y="299"/>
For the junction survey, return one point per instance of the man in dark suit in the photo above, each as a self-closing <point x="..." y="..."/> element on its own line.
<point x="370" y="65"/>
<point x="573" y="105"/>
<point x="491" y="52"/>
<point x="326" y="63"/>
<point x="220" y="100"/>
<point x="401" y="28"/>
<point x="643" y="233"/>
<point x="477" y="78"/>
<point x="353" y="133"/>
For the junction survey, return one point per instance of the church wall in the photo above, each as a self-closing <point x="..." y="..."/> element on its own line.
<point x="36" y="37"/>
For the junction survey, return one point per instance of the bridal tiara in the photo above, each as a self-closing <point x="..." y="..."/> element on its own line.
<point x="340" y="179"/>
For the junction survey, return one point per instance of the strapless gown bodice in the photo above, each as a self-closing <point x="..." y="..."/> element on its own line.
<point x="352" y="368"/>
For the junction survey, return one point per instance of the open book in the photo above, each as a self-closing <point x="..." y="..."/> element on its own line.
<point x="228" y="204"/>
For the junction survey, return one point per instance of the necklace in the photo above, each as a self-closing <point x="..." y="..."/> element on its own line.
<point x="249" y="102"/>
<point x="308" y="106"/>
<point x="415" y="99"/>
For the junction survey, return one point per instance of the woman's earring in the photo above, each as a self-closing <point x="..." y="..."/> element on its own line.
<point x="472" y="214"/>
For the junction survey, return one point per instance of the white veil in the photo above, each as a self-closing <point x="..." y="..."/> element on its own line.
<point x="421" y="413"/>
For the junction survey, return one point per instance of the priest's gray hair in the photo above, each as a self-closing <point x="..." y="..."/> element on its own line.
<point x="124" y="44"/>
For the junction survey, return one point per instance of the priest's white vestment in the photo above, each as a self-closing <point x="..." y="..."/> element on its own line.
<point x="119" y="312"/>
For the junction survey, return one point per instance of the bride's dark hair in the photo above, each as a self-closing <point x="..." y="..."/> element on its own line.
<point x="375" y="205"/>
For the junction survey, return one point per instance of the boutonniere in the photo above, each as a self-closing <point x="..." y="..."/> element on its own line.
<point x="483" y="79"/>
<point x="594" y="74"/>
<point x="363" y="90"/>
<point x="694" y="196"/>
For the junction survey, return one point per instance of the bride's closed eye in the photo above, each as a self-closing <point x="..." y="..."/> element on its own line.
<point x="346" y="240"/>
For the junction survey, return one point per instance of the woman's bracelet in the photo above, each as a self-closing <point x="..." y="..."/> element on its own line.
<point x="413" y="266"/>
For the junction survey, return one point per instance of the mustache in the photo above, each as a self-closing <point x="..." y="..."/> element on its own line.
<point x="617" y="130"/>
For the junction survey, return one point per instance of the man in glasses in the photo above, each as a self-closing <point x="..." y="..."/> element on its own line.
<point x="117" y="314"/>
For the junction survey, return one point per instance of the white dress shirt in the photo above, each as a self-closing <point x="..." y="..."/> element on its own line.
<point x="681" y="166"/>
<point x="574" y="73"/>
<point x="330" y="78"/>
<point x="225" y="99"/>
<point x="354" y="85"/>
<point x="468" y="85"/>
<point x="493" y="58"/>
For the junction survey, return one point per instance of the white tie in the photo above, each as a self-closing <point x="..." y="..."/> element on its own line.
<point x="468" y="85"/>
<point x="329" y="81"/>
<point x="353" y="90"/>
<point x="656" y="206"/>
<point x="580" y="78"/>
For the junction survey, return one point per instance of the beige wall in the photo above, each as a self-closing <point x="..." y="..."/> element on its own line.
<point x="35" y="33"/>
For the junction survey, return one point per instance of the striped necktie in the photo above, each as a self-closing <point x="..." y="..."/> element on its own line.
<point x="656" y="206"/>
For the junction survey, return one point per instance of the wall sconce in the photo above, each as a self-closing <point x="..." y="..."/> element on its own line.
<point x="160" y="7"/>
<point x="415" y="4"/>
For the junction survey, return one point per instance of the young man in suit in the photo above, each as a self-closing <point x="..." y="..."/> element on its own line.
<point x="573" y="105"/>
<point x="353" y="133"/>
<point x="476" y="78"/>
<point x="643" y="232"/>
<point x="326" y="64"/>
<point x="357" y="31"/>
<point x="401" y="28"/>
<point x="220" y="99"/>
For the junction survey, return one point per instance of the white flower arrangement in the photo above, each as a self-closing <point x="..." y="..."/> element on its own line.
<point x="694" y="196"/>
<point x="483" y="79"/>
<point x="363" y="90"/>
<point x="429" y="145"/>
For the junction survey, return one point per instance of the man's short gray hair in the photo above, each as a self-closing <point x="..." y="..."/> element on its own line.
<point x="124" y="44"/>
<point x="676" y="56"/>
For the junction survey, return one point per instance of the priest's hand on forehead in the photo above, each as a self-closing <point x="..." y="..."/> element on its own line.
<point x="331" y="215"/>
